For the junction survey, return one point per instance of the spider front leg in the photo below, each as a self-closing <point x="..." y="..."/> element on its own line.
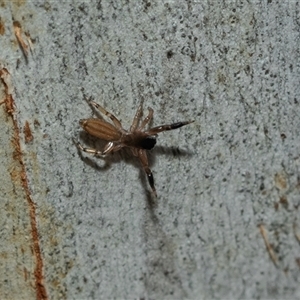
<point x="137" y="117"/>
<point x="161" y="128"/>
<point x="142" y="155"/>
<point x="147" y="119"/>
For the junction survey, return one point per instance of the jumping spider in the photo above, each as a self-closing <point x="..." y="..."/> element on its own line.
<point x="117" y="137"/>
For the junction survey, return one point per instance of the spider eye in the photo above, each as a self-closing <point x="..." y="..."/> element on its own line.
<point x="148" y="142"/>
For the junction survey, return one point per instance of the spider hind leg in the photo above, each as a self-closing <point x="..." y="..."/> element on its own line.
<point x="110" y="147"/>
<point x="114" y="119"/>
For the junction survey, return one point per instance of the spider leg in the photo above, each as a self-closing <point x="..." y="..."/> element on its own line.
<point x="147" y="119"/>
<point x="116" y="122"/>
<point x="161" y="128"/>
<point x="137" y="117"/>
<point x="107" y="149"/>
<point x="142" y="154"/>
<point x="88" y="150"/>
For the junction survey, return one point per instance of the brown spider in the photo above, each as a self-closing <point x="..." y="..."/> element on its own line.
<point x="117" y="137"/>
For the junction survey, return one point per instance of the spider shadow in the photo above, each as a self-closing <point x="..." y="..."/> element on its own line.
<point x="152" y="156"/>
<point x="126" y="156"/>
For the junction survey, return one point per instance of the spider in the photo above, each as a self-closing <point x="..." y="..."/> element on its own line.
<point x="137" y="139"/>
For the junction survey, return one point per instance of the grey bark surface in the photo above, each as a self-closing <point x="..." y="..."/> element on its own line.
<point x="233" y="66"/>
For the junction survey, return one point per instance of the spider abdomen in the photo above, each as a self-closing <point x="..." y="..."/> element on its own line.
<point x="100" y="129"/>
